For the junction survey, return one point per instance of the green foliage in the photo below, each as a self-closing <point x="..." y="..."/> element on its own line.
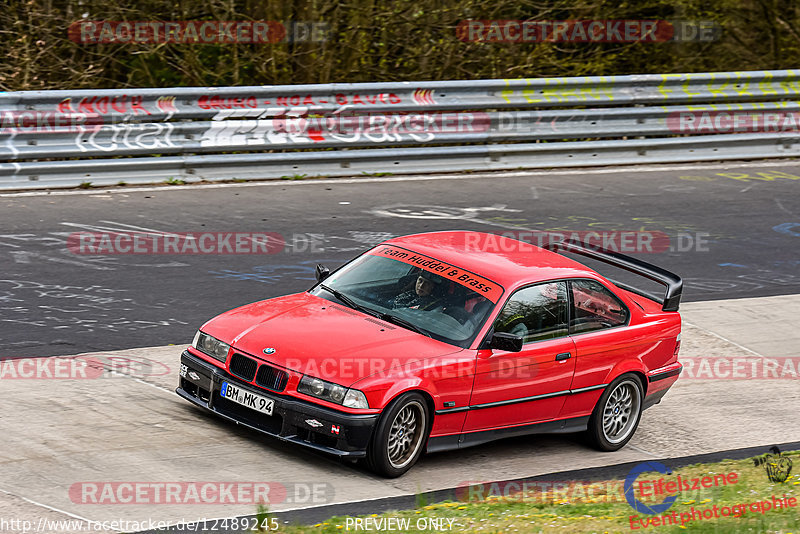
<point x="372" y="41"/>
<point x="594" y="506"/>
<point x="421" y="498"/>
<point x="262" y="517"/>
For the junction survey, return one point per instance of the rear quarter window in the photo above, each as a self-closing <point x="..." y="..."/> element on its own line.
<point x="595" y="308"/>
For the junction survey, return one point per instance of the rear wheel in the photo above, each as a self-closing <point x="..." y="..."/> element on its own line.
<point x="400" y="437"/>
<point x="616" y="415"/>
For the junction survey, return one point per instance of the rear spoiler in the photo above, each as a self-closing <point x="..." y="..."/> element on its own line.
<point x="673" y="282"/>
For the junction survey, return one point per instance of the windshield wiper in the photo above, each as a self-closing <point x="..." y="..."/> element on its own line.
<point x="348" y="301"/>
<point x="389" y="318"/>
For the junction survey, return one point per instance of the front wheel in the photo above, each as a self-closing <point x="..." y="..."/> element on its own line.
<point x="400" y="436"/>
<point x="616" y="414"/>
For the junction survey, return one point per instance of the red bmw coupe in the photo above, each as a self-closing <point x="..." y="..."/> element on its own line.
<point x="440" y="341"/>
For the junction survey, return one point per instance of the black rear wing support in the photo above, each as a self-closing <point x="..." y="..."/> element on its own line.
<point x="672" y="281"/>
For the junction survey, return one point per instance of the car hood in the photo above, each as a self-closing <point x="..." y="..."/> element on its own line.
<point x="317" y="337"/>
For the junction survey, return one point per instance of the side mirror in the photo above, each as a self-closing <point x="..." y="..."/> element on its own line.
<point x="322" y="272"/>
<point x="506" y="341"/>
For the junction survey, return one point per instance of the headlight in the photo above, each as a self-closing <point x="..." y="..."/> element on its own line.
<point x="211" y="346"/>
<point x="355" y="399"/>
<point x="331" y="392"/>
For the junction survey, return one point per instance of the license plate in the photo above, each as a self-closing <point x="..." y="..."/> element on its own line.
<point x="246" y="398"/>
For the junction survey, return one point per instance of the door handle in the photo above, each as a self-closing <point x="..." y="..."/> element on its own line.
<point x="563" y="356"/>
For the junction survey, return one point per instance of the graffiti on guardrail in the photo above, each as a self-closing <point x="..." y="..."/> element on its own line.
<point x="243" y="122"/>
<point x="296" y="100"/>
<point x="634" y="131"/>
<point x="111" y="137"/>
<point x="655" y="88"/>
<point x="125" y="104"/>
<point x="103" y="105"/>
<point x="221" y="102"/>
<point x="347" y="128"/>
<point x="109" y="132"/>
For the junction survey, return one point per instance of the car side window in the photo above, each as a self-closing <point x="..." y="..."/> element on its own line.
<point x="535" y="313"/>
<point x="594" y="307"/>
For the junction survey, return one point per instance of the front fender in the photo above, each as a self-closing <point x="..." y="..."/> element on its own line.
<point x="446" y="380"/>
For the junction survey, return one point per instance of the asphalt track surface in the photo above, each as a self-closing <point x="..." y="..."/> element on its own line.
<point x="56" y="302"/>
<point x="131" y="426"/>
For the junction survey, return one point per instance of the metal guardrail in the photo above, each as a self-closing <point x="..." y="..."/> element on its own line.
<point x="65" y="138"/>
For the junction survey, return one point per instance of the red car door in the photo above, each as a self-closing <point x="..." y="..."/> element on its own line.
<point x="598" y="322"/>
<point x="514" y="388"/>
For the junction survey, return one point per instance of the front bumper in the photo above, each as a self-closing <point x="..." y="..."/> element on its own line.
<point x="332" y="432"/>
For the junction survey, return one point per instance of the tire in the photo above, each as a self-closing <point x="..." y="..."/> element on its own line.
<point x="617" y="414"/>
<point x="392" y="452"/>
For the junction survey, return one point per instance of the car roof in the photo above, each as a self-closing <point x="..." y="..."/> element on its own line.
<point x="501" y="259"/>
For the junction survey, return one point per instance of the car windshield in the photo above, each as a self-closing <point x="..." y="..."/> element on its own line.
<point x="414" y="291"/>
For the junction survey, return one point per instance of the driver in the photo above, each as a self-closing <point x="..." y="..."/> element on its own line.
<point x="423" y="295"/>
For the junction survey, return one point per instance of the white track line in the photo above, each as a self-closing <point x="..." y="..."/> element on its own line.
<point x="648" y="453"/>
<point x="723" y="338"/>
<point x="408" y="178"/>
<point x="160" y="388"/>
<point x="46" y="506"/>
